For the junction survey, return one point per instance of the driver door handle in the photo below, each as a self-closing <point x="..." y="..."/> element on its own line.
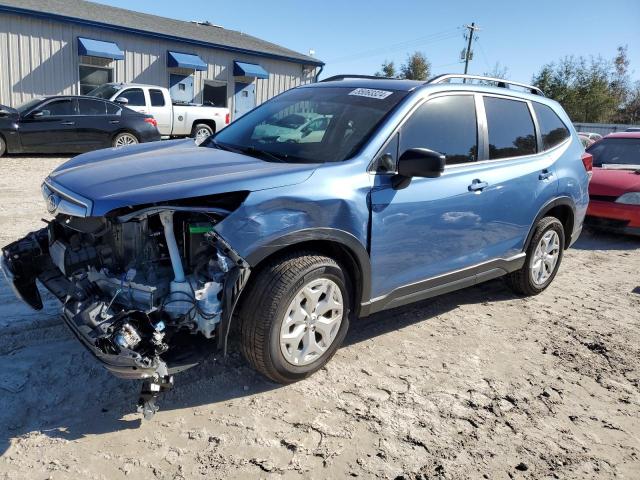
<point x="114" y="122"/>
<point x="477" y="185"/>
<point x="67" y="123"/>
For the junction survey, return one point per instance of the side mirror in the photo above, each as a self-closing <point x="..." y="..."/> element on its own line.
<point x="122" y="100"/>
<point x="418" y="162"/>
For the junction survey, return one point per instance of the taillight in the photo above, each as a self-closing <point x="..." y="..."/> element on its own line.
<point x="587" y="161"/>
<point x="152" y="121"/>
<point x="227" y="118"/>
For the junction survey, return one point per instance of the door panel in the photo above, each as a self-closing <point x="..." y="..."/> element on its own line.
<point x="53" y="132"/>
<point x="160" y="110"/>
<point x="94" y="127"/>
<point x="244" y="99"/>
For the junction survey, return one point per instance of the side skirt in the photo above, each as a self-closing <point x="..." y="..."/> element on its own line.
<point x="442" y="284"/>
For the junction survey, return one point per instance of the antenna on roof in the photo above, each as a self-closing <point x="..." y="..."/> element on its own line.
<point x="206" y="23"/>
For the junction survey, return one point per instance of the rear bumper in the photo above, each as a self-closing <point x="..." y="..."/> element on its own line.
<point x="613" y="216"/>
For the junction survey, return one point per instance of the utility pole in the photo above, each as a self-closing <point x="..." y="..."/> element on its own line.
<point x="468" y="54"/>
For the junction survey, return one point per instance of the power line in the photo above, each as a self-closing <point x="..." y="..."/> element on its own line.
<point x="432" y="38"/>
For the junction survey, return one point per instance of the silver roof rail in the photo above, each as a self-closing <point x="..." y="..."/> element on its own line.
<point x="348" y="76"/>
<point x="500" y="82"/>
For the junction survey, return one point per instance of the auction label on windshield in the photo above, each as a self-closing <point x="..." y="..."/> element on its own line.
<point x="371" y="93"/>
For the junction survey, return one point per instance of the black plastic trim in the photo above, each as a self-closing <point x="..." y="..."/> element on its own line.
<point x="331" y="235"/>
<point x="561" y="201"/>
<point x="442" y="284"/>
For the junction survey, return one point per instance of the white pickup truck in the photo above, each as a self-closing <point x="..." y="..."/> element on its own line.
<point x="174" y="120"/>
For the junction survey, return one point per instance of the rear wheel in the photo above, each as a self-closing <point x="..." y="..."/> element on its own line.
<point x="3" y="146"/>
<point x="201" y="132"/>
<point x="123" y="139"/>
<point x="544" y="256"/>
<point x="295" y="316"/>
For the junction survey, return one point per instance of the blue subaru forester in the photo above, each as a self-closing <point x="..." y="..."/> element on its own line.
<point x="329" y="202"/>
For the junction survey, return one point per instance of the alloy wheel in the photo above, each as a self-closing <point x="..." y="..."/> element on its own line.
<point x="545" y="257"/>
<point x="125" y="139"/>
<point x="312" y="322"/>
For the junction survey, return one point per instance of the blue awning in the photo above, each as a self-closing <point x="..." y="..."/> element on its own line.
<point x="185" y="60"/>
<point x="241" y="69"/>
<point x="98" y="48"/>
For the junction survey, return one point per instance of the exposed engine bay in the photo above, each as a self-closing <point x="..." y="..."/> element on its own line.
<point x="135" y="288"/>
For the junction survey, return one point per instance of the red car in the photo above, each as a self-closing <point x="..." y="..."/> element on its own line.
<point x="614" y="190"/>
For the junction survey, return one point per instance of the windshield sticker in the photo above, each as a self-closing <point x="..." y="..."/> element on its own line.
<point x="371" y="93"/>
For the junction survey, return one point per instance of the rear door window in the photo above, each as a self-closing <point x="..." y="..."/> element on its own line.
<point x="511" y="130"/>
<point x="113" y="109"/>
<point x="446" y="125"/>
<point x="135" y="97"/>
<point x="157" y="98"/>
<point x="552" y="129"/>
<point x="91" y="107"/>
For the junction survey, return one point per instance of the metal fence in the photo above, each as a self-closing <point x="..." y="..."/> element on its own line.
<point x="602" y="128"/>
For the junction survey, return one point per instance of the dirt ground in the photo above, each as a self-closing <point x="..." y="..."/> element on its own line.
<point x="478" y="383"/>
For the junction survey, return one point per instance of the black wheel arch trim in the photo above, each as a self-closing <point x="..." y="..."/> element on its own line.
<point x="348" y="241"/>
<point x="546" y="208"/>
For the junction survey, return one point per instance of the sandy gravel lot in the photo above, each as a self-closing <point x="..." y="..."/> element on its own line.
<point x="477" y="383"/>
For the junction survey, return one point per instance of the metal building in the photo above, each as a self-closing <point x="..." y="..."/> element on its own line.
<point x="50" y="47"/>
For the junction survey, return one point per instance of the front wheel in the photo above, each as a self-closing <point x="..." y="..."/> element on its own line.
<point x="201" y="132"/>
<point x="123" y="139"/>
<point x="295" y="316"/>
<point x="3" y="147"/>
<point x="544" y="256"/>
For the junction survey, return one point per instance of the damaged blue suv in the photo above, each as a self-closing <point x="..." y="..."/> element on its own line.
<point x="329" y="202"/>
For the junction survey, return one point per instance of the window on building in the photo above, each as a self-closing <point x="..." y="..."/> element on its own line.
<point x="91" y="107"/>
<point x="157" y="98"/>
<point x="92" y="77"/>
<point x="215" y="94"/>
<point x="552" y="129"/>
<point x="59" y="108"/>
<point x="446" y="125"/>
<point x="511" y="132"/>
<point x="135" y="96"/>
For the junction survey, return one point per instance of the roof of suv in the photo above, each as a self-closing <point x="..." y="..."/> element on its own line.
<point x="489" y="84"/>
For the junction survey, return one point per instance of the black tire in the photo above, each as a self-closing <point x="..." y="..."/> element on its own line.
<point x="522" y="281"/>
<point x="3" y="146"/>
<point x="201" y="127"/>
<point x="265" y="306"/>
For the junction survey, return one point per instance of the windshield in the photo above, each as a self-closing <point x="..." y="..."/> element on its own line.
<point x="25" y="107"/>
<point x="105" y="91"/>
<point x="616" y="151"/>
<point x="312" y="124"/>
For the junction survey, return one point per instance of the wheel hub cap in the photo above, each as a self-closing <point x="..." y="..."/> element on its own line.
<point x="312" y="322"/>
<point x="545" y="257"/>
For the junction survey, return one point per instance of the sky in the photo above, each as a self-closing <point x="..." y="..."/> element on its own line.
<point x="357" y="36"/>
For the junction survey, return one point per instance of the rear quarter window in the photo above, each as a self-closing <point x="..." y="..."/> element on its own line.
<point x="511" y="131"/>
<point x="552" y="129"/>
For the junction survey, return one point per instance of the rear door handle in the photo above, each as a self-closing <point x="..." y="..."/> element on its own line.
<point x="67" y="123"/>
<point x="114" y="122"/>
<point x="477" y="185"/>
<point x="545" y="175"/>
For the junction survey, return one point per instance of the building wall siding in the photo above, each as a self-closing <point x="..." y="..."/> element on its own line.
<point x="40" y="57"/>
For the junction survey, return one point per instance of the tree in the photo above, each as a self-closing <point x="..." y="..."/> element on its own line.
<point x="590" y="90"/>
<point x="387" y="69"/>
<point x="417" y="67"/>
<point x="498" y="71"/>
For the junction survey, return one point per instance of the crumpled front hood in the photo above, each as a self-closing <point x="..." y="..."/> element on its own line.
<point x="171" y="170"/>
<point x="613" y="183"/>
